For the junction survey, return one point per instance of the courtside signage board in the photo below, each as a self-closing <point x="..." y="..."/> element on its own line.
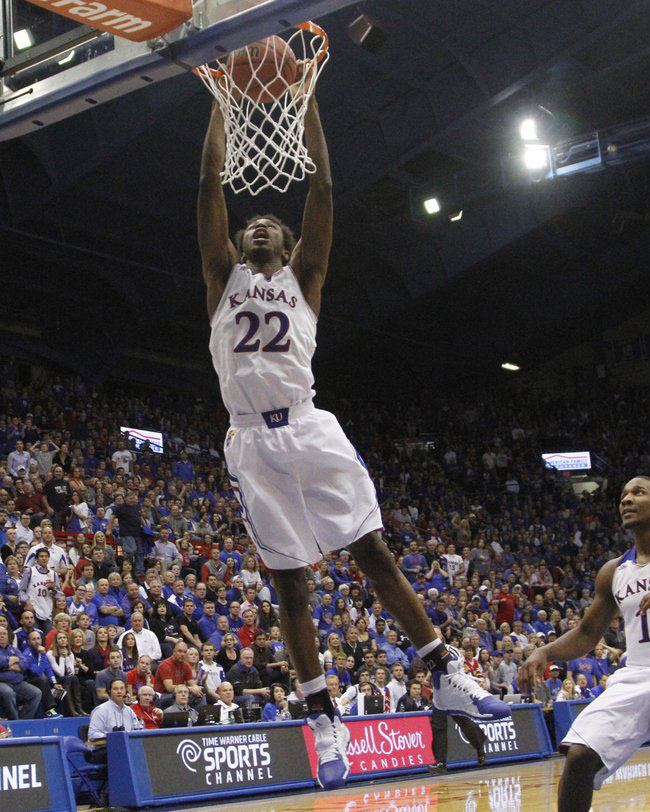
<point x="520" y="736"/>
<point x="568" y="461"/>
<point x="148" y="768"/>
<point x="23" y="784"/>
<point x="218" y="760"/>
<point x="381" y="744"/>
<point x="34" y="776"/>
<point x="137" y="20"/>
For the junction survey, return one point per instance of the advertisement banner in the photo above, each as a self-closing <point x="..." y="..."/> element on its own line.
<point x="191" y="763"/>
<point x="380" y="745"/>
<point x="23" y="782"/>
<point x="515" y="736"/>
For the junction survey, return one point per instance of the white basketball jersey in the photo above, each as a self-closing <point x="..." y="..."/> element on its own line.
<point x="630" y="583"/>
<point x="262" y="342"/>
<point x="39" y="594"/>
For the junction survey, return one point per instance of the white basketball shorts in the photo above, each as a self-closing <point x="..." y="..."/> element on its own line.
<point x="617" y="722"/>
<point x="303" y="489"/>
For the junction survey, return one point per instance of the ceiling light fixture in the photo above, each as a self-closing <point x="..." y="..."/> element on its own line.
<point x="510" y="367"/>
<point x="536" y="156"/>
<point x="431" y="206"/>
<point x="365" y="33"/>
<point x="528" y="129"/>
<point x="454" y="217"/>
<point x="23" y="39"/>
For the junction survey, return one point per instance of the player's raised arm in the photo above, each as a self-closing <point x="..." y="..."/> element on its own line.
<point x="218" y="254"/>
<point x="311" y="254"/>
<point x="578" y="641"/>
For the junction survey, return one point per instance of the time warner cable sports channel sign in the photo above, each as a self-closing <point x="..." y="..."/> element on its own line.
<point x="195" y="761"/>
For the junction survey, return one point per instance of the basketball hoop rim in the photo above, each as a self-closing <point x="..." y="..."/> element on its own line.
<point x="309" y="26"/>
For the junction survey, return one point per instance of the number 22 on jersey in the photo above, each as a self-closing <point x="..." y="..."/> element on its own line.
<point x="250" y="343"/>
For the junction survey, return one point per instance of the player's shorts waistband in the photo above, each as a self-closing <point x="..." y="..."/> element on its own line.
<point x="273" y="419"/>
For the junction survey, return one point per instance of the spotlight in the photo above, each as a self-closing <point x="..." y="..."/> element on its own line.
<point x="510" y="367"/>
<point x="365" y="33"/>
<point x="536" y="156"/>
<point x="23" y="39"/>
<point x="528" y="129"/>
<point x="431" y="206"/>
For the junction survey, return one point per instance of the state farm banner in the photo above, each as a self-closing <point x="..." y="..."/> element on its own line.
<point x="137" y="20"/>
<point x="191" y="762"/>
<point x="383" y="744"/>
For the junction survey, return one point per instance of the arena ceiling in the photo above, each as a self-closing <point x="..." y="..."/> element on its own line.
<point x="100" y="266"/>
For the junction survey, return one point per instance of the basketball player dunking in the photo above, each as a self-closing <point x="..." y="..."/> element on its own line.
<point x="616" y="724"/>
<point x="303" y="489"/>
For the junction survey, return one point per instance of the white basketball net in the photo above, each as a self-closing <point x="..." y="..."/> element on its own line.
<point x="264" y="141"/>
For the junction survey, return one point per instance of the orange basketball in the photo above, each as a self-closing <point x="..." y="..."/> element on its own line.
<point x="263" y="69"/>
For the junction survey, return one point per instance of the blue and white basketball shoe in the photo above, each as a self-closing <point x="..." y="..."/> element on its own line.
<point x="457" y="693"/>
<point x="332" y="739"/>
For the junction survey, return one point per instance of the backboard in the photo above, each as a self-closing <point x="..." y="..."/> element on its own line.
<point x="53" y="68"/>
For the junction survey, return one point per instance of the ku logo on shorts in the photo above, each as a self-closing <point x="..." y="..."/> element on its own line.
<point x="276" y="418"/>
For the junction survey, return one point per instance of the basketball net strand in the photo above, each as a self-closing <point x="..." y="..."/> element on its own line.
<point x="265" y="140"/>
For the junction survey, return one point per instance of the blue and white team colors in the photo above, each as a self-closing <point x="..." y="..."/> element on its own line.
<point x="303" y="488"/>
<point x="263" y="339"/>
<point x="617" y="723"/>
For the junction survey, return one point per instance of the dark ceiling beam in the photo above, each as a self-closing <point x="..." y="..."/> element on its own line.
<point x="113" y="270"/>
<point x="497" y="98"/>
<point x="429" y="35"/>
<point x="152" y="110"/>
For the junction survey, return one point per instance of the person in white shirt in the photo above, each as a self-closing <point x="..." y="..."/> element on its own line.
<point x="18" y="459"/>
<point x="122" y="458"/>
<point x="38" y="587"/>
<point x="356" y="694"/>
<point x="58" y="557"/>
<point x="397" y="685"/>
<point x="211" y="674"/>
<point x="23" y="530"/>
<point x="225" y="703"/>
<point x="62" y="661"/>
<point x="80" y="509"/>
<point x="145" y="639"/>
<point x="453" y="563"/>
<point x="110" y="716"/>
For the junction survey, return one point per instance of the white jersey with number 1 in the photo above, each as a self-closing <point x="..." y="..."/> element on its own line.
<point x="631" y="582"/>
<point x="262" y="342"/>
<point x="617" y="722"/>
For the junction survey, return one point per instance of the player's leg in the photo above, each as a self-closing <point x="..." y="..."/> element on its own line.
<point x="440" y="742"/>
<point x="454" y="691"/>
<point x="576" y="786"/>
<point x="330" y="735"/>
<point x="262" y="469"/>
<point x="298" y="631"/>
<point x="474" y="734"/>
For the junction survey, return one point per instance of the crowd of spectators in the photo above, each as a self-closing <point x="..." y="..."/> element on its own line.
<point x="124" y="567"/>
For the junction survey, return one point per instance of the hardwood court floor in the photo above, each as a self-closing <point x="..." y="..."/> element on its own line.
<point x="523" y="787"/>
